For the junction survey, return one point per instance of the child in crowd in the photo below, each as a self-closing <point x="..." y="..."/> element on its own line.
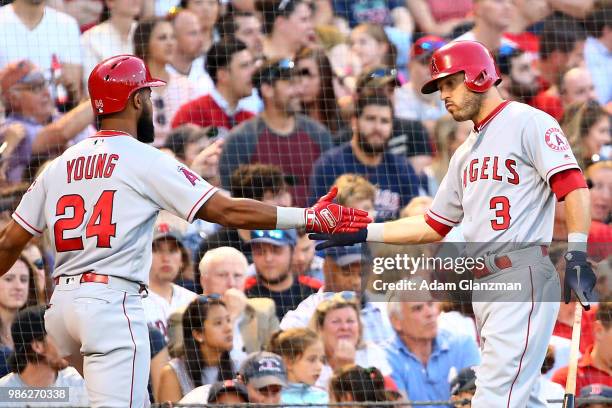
<point x="357" y="192"/>
<point x="303" y="354"/>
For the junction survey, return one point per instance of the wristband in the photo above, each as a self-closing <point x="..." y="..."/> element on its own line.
<point x="577" y="241"/>
<point x="290" y="217"/>
<point x="375" y="232"/>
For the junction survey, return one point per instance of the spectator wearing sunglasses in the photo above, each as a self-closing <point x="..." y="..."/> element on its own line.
<point x="27" y="100"/>
<point x="492" y="19"/>
<point x="410" y="102"/>
<point x="230" y="65"/>
<point x="288" y="26"/>
<point x="208" y="340"/>
<point x="342" y="272"/>
<point x="279" y="136"/>
<point x="519" y="77"/>
<point x="272" y="252"/>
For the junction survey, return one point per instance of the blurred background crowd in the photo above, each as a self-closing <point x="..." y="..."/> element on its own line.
<point x="278" y="100"/>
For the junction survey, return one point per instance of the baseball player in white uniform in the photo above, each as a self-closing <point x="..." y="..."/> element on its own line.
<point x="501" y="186"/>
<point x="99" y="201"/>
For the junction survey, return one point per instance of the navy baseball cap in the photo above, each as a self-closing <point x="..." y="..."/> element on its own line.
<point x="274" y="237"/>
<point x="227" y="386"/>
<point x="464" y="381"/>
<point x="263" y="368"/>
<point x="593" y="393"/>
<point x="345" y="255"/>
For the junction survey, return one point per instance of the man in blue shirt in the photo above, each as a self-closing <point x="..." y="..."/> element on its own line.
<point x="425" y="359"/>
<point x="366" y="154"/>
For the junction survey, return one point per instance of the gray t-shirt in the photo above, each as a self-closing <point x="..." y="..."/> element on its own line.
<point x="68" y="377"/>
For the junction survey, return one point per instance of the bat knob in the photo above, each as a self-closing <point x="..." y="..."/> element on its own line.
<point x="568" y="401"/>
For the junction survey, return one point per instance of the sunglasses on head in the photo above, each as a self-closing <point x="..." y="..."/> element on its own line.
<point x="428" y="46"/>
<point x="347" y="295"/>
<point x="208" y="298"/>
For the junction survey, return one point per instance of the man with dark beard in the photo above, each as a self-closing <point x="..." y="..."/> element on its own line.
<point x="36" y="362"/>
<point x="279" y="135"/>
<point x="519" y="78"/>
<point x="100" y="199"/>
<point x="367" y="154"/>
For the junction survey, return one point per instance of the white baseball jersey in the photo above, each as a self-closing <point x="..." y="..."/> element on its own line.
<point x="100" y="199"/>
<point x="158" y="309"/>
<point x="497" y="181"/>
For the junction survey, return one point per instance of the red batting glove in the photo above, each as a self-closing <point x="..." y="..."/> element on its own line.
<point x="330" y="218"/>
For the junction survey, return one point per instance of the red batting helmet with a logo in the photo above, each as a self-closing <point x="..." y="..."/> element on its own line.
<point x="114" y="80"/>
<point x="470" y="57"/>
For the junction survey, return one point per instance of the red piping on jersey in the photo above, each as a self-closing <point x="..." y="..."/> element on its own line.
<point x="437" y="226"/>
<point x="198" y="202"/>
<point x="110" y="133"/>
<point x="444" y="218"/>
<point x="27" y="223"/>
<point x="526" y="339"/>
<point x="133" y="342"/>
<point x="478" y="126"/>
<point x="566" y="181"/>
<point x="574" y="165"/>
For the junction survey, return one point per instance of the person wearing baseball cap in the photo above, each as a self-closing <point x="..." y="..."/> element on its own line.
<point x="592" y="396"/>
<point x="228" y="392"/>
<point x="272" y="253"/>
<point x="27" y="100"/>
<point x="273" y="136"/>
<point x="410" y="103"/>
<point x="169" y="258"/>
<point x="35" y="361"/>
<point x="265" y="375"/>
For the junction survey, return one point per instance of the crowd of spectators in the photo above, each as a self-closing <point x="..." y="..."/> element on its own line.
<point x="277" y="101"/>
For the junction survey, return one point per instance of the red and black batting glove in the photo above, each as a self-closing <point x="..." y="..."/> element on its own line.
<point x="579" y="278"/>
<point x="329" y="218"/>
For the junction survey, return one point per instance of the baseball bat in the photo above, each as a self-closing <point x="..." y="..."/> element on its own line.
<point x="570" y="383"/>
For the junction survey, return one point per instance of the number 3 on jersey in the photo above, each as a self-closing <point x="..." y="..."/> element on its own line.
<point x="501" y="205"/>
<point x="100" y="224"/>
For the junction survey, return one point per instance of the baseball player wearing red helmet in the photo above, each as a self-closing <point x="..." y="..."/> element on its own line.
<point x="99" y="200"/>
<point x="501" y="186"/>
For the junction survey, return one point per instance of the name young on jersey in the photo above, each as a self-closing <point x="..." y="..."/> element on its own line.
<point x="91" y="167"/>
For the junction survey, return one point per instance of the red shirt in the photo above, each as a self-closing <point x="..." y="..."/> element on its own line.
<point x="586" y="332"/>
<point x="600" y="236"/>
<point x="204" y="111"/>
<point x="586" y="375"/>
<point x="548" y="103"/>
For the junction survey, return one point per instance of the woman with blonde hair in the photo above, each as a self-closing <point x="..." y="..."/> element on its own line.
<point x="338" y="322"/>
<point x="587" y="128"/>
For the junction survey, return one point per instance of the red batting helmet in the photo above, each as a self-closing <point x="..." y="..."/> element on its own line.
<point x="114" y="80"/>
<point x="471" y="57"/>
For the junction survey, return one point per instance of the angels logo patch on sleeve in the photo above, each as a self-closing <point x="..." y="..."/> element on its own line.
<point x="556" y="140"/>
<point x="189" y="175"/>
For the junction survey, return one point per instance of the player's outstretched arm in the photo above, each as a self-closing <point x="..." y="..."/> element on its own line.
<point x="409" y="230"/>
<point x="325" y="216"/>
<point x="13" y="238"/>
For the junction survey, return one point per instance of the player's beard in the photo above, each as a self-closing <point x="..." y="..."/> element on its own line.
<point x="145" y="130"/>
<point x="471" y="105"/>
